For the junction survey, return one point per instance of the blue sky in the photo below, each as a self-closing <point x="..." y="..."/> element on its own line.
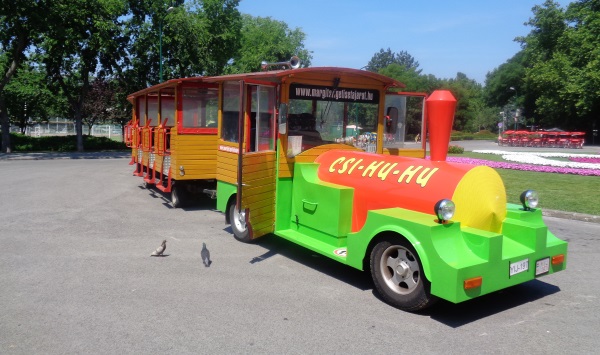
<point x="444" y="36"/>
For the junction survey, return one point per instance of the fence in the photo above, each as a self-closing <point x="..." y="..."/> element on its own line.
<point x="65" y="128"/>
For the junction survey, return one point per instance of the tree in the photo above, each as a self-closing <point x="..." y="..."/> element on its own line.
<point x="87" y="39"/>
<point x="562" y="64"/>
<point x="22" y="23"/>
<point x="99" y="104"/>
<point x="386" y="57"/>
<point x="28" y="97"/>
<point x="265" y="39"/>
<point x="469" y="97"/>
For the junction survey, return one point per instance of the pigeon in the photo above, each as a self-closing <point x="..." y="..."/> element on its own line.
<point x="161" y="249"/>
<point x="205" y="254"/>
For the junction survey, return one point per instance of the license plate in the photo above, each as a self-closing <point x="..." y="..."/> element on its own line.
<point x="518" y="267"/>
<point x="542" y="266"/>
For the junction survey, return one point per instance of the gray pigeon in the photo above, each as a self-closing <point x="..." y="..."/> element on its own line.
<point x="205" y="254"/>
<point x="161" y="249"/>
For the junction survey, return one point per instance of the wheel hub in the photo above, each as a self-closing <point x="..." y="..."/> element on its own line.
<point x="402" y="269"/>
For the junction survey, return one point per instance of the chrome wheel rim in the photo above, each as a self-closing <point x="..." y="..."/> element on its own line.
<point x="400" y="269"/>
<point x="239" y="219"/>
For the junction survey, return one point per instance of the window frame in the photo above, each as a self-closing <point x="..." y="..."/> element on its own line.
<point x="179" y="94"/>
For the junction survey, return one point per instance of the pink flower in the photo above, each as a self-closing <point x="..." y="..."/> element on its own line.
<point x="524" y="167"/>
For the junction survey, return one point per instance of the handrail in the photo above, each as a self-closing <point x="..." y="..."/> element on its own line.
<point x="147" y="141"/>
<point x="163" y="139"/>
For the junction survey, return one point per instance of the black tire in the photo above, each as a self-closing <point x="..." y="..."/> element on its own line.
<point x="178" y="196"/>
<point x="239" y="227"/>
<point x="398" y="276"/>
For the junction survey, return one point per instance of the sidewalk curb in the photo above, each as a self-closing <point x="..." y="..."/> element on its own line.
<point x="65" y="155"/>
<point x="574" y="216"/>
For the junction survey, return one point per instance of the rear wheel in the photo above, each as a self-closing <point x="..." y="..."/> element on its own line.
<point x="398" y="277"/>
<point x="178" y="196"/>
<point x="238" y="224"/>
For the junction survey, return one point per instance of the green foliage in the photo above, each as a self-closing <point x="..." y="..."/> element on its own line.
<point x="23" y="143"/>
<point x="467" y="136"/>
<point x="266" y="39"/>
<point x="455" y="149"/>
<point x="386" y="58"/>
<point x="557" y="74"/>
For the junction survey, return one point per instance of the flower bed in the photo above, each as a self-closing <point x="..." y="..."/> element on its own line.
<point x="539" y="162"/>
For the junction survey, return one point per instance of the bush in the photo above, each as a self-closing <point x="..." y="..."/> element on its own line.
<point x="455" y="149"/>
<point x="22" y="143"/>
<point x="466" y="136"/>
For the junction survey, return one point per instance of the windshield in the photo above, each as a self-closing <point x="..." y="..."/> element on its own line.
<point x="346" y="116"/>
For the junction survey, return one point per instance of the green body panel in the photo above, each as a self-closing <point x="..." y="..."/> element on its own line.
<point x="449" y="253"/>
<point x="320" y="205"/>
<point x="224" y="192"/>
<point x="283" y="203"/>
<point x="314" y="213"/>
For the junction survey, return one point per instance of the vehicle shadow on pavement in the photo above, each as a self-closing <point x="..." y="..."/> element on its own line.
<point x="452" y="315"/>
<point x="197" y="202"/>
<point x="457" y="315"/>
<point x="278" y="246"/>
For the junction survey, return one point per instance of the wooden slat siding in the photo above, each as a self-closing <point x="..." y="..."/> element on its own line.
<point x="145" y="158"/>
<point x="286" y="165"/>
<point x="227" y="163"/>
<point x="197" y="153"/>
<point x="158" y="163"/>
<point x="258" y="174"/>
<point x="413" y="153"/>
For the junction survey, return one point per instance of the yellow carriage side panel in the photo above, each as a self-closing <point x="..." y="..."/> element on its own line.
<point x="258" y="195"/>
<point x="286" y="165"/>
<point x="196" y="154"/>
<point x="227" y="161"/>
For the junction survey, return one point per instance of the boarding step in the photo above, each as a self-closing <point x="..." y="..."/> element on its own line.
<point x="335" y="252"/>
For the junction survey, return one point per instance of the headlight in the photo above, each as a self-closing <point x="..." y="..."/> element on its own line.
<point x="444" y="210"/>
<point x="529" y="199"/>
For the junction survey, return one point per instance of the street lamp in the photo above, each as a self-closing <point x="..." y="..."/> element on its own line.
<point x="515" y="90"/>
<point x="160" y="24"/>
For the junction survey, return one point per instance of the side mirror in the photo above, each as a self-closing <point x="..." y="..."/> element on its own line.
<point x="283" y="112"/>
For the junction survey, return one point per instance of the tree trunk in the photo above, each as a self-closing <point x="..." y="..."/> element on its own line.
<point x="5" y="125"/>
<point x="79" y="130"/>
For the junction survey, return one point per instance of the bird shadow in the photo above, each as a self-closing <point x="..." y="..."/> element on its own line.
<point x="160" y="256"/>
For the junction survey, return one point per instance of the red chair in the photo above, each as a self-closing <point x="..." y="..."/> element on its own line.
<point x="576" y="140"/>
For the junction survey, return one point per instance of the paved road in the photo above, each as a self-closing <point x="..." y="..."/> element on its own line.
<point x="77" y="277"/>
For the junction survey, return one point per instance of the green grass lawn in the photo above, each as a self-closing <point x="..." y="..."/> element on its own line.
<point x="563" y="192"/>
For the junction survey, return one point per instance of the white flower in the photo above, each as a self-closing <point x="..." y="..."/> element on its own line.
<point x="541" y="158"/>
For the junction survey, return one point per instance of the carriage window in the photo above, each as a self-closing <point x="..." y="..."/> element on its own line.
<point x="262" y="133"/>
<point x="141" y="110"/>
<point x="231" y="110"/>
<point x="403" y="120"/>
<point x="152" y="108"/>
<point x="199" y="106"/>
<point x="167" y="106"/>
